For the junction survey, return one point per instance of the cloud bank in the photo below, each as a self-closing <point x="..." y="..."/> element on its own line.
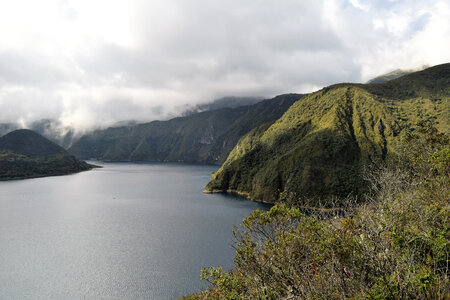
<point x="92" y="63"/>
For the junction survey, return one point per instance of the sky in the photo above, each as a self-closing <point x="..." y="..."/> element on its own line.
<point x="90" y="63"/>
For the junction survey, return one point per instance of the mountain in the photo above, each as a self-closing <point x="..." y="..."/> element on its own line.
<point x="29" y="143"/>
<point x="394" y="75"/>
<point x="50" y="128"/>
<point x="225" y="102"/>
<point x="26" y="154"/>
<point x="321" y="145"/>
<point x="55" y="131"/>
<point x="205" y="137"/>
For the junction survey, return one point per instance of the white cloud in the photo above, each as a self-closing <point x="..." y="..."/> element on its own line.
<point x="91" y="63"/>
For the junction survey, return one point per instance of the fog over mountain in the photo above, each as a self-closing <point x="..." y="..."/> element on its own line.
<point x="94" y="63"/>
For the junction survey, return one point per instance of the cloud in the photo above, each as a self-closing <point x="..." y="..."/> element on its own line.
<point x="93" y="63"/>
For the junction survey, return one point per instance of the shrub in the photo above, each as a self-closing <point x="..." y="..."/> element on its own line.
<point x="394" y="246"/>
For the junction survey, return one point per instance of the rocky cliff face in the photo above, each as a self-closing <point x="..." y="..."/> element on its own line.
<point x="207" y="137"/>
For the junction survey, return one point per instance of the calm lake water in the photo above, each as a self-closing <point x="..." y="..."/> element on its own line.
<point x="126" y="231"/>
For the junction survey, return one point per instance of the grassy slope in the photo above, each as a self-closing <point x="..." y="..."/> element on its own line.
<point x="320" y="145"/>
<point x="205" y="137"/>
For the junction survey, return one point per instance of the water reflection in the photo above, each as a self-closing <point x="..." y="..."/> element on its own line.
<point x="125" y="231"/>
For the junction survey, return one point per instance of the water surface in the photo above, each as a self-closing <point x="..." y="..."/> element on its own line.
<point x="126" y="231"/>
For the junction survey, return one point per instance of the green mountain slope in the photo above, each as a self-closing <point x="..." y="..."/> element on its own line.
<point x="205" y="137"/>
<point x="320" y="146"/>
<point x="26" y="154"/>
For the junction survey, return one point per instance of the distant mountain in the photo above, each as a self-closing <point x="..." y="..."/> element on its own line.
<point x="65" y="136"/>
<point x="394" y="75"/>
<point x="321" y="145"/>
<point x="50" y="128"/>
<point x="225" y="102"/>
<point x="205" y="137"/>
<point x="29" y="143"/>
<point x="26" y="154"/>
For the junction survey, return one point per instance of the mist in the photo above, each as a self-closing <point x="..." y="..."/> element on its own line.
<point x="91" y="64"/>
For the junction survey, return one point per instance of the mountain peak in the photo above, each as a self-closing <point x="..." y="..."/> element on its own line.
<point x="30" y="143"/>
<point x="395" y="74"/>
<point x="322" y="144"/>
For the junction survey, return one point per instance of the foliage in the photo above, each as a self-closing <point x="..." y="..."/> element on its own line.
<point x="394" y="246"/>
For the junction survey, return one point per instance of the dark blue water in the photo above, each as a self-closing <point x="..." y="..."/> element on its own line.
<point x="126" y="231"/>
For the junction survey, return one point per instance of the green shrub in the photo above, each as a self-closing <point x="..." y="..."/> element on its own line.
<point x="394" y="246"/>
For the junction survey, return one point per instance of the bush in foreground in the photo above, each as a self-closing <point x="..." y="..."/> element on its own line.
<point x="395" y="246"/>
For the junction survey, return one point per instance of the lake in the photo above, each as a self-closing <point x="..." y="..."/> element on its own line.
<point x="125" y="231"/>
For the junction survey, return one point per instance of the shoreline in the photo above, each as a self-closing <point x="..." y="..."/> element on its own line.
<point x="235" y="192"/>
<point x="247" y="196"/>
<point x="50" y="175"/>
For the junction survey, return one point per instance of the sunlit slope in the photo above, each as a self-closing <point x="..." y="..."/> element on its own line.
<point x="320" y="146"/>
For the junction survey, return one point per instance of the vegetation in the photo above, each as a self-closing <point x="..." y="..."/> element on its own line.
<point x="394" y="246"/>
<point x="25" y="154"/>
<point x="205" y="137"/>
<point x="322" y="144"/>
